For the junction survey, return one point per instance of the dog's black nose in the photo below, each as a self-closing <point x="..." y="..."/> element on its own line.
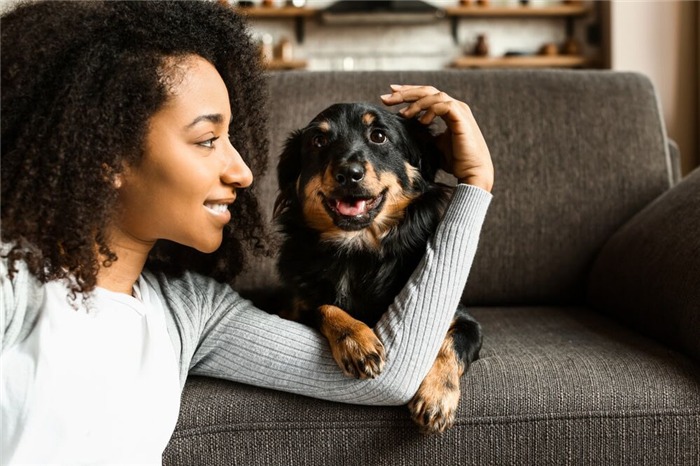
<point x="350" y="173"/>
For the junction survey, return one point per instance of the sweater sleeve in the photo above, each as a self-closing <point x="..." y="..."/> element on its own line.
<point x="240" y="342"/>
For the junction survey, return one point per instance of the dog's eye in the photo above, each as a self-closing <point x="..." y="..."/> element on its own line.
<point x="377" y="136"/>
<point x="319" y="141"/>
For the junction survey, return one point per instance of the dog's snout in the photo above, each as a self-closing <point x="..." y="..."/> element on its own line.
<point x="350" y="173"/>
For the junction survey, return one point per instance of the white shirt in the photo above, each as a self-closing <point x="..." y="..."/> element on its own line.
<point x="91" y="388"/>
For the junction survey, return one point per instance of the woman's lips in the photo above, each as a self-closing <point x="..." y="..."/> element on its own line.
<point x="215" y="207"/>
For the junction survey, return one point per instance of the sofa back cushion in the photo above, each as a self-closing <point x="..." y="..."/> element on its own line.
<point x="576" y="153"/>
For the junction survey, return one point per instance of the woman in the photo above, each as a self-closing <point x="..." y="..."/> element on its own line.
<point x="131" y="135"/>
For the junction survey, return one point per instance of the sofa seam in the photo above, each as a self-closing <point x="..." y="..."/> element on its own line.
<point x="218" y="428"/>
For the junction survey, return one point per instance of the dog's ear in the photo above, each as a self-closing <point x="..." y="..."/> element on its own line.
<point x="429" y="158"/>
<point x="288" y="170"/>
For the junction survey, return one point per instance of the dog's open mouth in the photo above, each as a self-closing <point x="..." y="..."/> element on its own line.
<point x="354" y="212"/>
<point x="353" y="207"/>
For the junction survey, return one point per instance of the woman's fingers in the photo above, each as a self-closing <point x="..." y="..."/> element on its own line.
<point x="454" y="115"/>
<point x="408" y="93"/>
<point x="427" y="117"/>
<point x="425" y="103"/>
<point x="425" y="98"/>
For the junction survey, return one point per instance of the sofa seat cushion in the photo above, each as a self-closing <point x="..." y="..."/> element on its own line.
<point x="558" y="385"/>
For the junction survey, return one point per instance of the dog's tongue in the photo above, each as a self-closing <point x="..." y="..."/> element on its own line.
<point x="351" y="208"/>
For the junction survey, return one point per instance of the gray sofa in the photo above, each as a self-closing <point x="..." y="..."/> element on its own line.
<point x="586" y="282"/>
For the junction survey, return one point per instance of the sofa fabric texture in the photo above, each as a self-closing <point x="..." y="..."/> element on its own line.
<point x="585" y="282"/>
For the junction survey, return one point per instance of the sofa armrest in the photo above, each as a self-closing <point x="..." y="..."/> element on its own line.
<point x="647" y="275"/>
<point x="675" y="153"/>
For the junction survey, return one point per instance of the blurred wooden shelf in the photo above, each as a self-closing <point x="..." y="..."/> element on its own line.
<point x="286" y="64"/>
<point x="532" y="61"/>
<point x="519" y="11"/>
<point x="277" y="11"/>
<point x="298" y="14"/>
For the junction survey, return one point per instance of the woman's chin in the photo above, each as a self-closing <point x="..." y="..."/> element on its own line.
<point x="207" y="247"/>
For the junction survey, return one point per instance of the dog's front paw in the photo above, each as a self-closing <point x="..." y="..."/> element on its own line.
<point x="434" y="405"/>
<point x="355" y="347"/>
<point x="433" y="408"/>
<point x="359" y="352"/>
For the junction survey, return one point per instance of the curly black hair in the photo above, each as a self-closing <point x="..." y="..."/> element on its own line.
<point x="80" y="81"/>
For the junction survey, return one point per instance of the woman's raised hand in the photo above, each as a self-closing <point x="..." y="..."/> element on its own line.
<point x="466" y="154"/>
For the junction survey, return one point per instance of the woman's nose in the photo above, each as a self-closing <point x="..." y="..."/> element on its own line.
<point x="236" y="171"/>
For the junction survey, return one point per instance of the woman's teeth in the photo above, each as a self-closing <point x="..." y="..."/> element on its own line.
<point x="220" y="208"/>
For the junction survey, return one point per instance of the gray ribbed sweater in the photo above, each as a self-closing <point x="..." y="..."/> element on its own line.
<point x="217" y="333"/>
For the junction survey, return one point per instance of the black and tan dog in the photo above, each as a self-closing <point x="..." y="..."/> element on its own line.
<point x="358" y="202"/>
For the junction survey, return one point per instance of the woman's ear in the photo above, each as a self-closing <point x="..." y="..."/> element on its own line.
<point x="430" y="156"/>
<point x="288" y="171"/>
<point x="110" y="176"/>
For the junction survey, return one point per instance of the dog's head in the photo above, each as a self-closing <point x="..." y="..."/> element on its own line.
<point x="356" y="166"/>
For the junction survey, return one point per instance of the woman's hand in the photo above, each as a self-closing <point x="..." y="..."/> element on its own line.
<point x="466" y="155"/>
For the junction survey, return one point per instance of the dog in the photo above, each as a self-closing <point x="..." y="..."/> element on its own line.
<point x="357" y="204"/>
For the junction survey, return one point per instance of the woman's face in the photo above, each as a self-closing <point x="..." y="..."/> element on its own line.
<point x="189" y="174"/>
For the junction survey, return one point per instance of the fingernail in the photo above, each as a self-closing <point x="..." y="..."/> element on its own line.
<point x="403" y="110"/>
<point x="395" y="86"/>
<point x="385" y="96"/>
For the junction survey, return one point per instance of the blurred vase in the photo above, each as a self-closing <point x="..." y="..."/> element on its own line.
<point x="481" y="49"/>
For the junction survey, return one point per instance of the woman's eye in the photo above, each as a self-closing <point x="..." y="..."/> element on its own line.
<point x="319" y="141"/>
<point x="209" y="143"/>
<point x="377" y="136"/>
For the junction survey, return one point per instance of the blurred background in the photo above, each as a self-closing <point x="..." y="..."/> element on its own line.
<point x="660" y="39"/>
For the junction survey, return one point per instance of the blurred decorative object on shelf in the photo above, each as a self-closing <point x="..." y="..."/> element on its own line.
<point x="550" y="48"/>
<point x="483" y="2"/>
<point x="571" y="47"/>
<point x="268" y="3"/>
<point x="245" y="3"/>
<point x="481" y="49"/>
<point x="466" y="2"/>
<point x="285" y="49"/>
<point x="296" y="3"/>
<point x="266" y="48"/>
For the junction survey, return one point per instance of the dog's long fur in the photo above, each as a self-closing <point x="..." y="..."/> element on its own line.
<point x="343" y="273"/>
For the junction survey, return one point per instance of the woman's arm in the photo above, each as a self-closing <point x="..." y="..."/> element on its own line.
<point x="242" y="343"/>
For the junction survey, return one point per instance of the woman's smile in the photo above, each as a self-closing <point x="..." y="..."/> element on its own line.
<point x="219" y="209"/>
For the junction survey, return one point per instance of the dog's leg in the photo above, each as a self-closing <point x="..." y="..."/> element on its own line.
<point x="434" y="405"/>
<point x="355" y="347"/>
